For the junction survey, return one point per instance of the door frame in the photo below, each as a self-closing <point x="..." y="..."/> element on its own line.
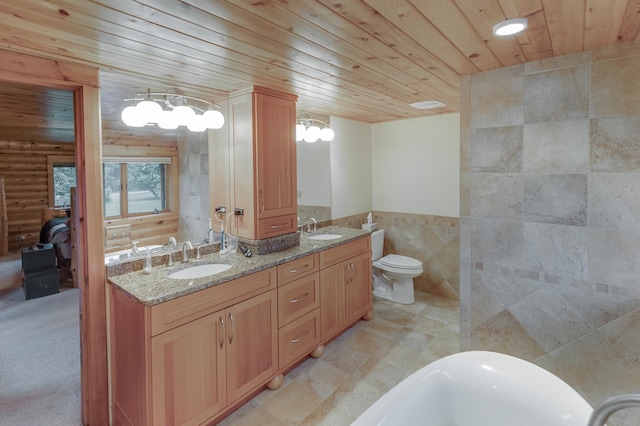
<point x="90" y="274"/>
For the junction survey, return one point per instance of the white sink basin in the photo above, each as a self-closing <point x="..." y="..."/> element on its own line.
<point x="325" y="237"/>
<point x="200" y="271"/>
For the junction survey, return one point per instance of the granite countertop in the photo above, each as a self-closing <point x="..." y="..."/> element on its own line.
<point x="156" y="287"/>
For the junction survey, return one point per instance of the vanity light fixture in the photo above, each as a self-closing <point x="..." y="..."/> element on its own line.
<point x="307" y="130"/>
<point x="148" y="108"/>
<point x="510" y="27"/>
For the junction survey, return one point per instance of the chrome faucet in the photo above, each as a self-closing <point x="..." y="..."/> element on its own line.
<point x="314" y="225"/>
<point x="185" y="254"/>
<point x="172" y="243"/>
<point x="610" y="405"/>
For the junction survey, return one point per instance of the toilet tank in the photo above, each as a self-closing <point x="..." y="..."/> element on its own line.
<point x="377" y="244"/>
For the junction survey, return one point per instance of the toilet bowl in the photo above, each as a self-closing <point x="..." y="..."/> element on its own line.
<point x="393" y="274"/>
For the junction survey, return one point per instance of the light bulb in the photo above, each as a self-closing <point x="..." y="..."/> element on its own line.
<point x="131" y="117"/>
<point x="312" y="134"/>
<point x="197" y="123"/>
<point x="149" y="110"/>
<point x="327" y="134"/>
<point x="183" y="114"/>
<point x="167" y="120"/>
<point x="213" y="119"/>
<point x="300" y="131"/>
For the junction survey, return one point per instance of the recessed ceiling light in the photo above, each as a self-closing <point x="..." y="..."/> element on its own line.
<point x="510" y="27"/>
<point x="427" y="104"/>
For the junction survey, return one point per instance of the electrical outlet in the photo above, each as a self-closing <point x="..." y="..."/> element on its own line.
<point x="239" y="211"/>
<point x="221" y="209"/>
<point x="21" y="237"/>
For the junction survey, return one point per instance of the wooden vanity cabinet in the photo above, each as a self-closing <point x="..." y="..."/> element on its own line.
<point x="345" y="286"/>
<point x="183" y="361"/>
<point x="298" y="309"/>
<point x="263" y="165"/>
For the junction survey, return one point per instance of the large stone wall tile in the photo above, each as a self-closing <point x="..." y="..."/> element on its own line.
<point x="623" y="334"/>
<point x="484" y="304"/>
<point x="549" y="319"/>
<point x="498" y="103"/>
<point x="497" y="196"/>
<point x="503" y="73"/>
<point x="615" y="144"/>
<point x="557" y="62"/>
<point x="557" y="95"/>
<point x="597" y="367"/>
<point x="465" y="129"/>
<point x="612" y="88"/>
<point x="559" y="199"/>
<point x="597" y="307"/>
<point x="614" y="257"/>
<point x="556" y="249"/>
<point x="465" y="194"/>
<point x="465" y="238"/>
<point x="614" y="201"/>
<point x="496" y="150"/>
<point x="556" y="147"/>
<point x="497" y="242"/>
<point x="617" y="51"/>
<point x="503" y="333"/>
<point x="508" y="288"/>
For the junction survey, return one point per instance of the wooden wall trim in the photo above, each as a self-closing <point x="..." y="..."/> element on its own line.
<point x="4" y="227"/>
<point x="83" y="80"/>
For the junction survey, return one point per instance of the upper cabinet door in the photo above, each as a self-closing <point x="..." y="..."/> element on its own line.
<point x="275" y="159"/>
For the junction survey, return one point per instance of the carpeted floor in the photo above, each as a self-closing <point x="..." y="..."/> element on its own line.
<point x="40" y="359"/>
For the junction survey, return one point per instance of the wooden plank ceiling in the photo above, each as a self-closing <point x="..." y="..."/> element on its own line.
<point x="360" y="59"/>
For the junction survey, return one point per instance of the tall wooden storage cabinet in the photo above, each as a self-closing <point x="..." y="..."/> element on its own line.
<point x="262" y="157"/>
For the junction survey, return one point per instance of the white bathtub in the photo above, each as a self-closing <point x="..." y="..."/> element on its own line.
<point x="479" y="388"/>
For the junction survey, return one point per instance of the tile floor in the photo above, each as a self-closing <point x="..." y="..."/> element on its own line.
<point x="360" y="366"/>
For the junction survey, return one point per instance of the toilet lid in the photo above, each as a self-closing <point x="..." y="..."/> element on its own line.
<point x="400" y="262"/>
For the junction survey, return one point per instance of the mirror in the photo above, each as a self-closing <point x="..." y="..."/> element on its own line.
<point x="314" y="181"/>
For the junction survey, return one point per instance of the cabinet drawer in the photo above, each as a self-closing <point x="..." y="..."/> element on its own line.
<point x="344" y="252"/>
<point x="279" y="225"/>
<point x="295" y="269"/>
<point x="299" y="338"/>
<point x="173" y="313"/>
<point x="298" y="298"/>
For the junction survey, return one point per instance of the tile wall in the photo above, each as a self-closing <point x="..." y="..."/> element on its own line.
<point x="193" y="152"/>
<point x="434" y="240"/>
<point x="550" y="217"/>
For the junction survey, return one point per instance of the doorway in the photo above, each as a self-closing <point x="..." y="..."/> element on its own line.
<point x="82" y="81"/>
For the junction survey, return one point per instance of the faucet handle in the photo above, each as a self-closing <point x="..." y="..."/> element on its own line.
<point x="198" y="255"/>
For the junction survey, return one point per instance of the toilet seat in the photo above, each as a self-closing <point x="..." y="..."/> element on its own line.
<point x="400" y="262"/>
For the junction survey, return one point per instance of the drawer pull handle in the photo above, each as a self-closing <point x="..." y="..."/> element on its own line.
<point x="300" y="299"/>
<point x="222" y="333"/>
<point x="262" y="198"/>
<point x="296" y="340"/>
<point x="302" y="268"/>
<point x="231" y="329"/>
<point x="279" y="226"/>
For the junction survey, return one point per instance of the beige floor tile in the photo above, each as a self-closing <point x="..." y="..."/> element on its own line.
<point x="366" y="342"/>
<point x="354" y="396"/>
<point x="345" y="359"/>
<point x="327" y="414"/>
<point x="381" y="327"/>
<point x="255" y="416"/>
<point x="359" y="366"/>
<point x="380" y="373"/>
<point x="292" y="404"/>
<point x="321" y="378"/>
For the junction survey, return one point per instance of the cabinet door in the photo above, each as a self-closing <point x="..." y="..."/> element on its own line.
<point x="333" y="303"/>
<point x="252" y="343"/>
<point x="188" y="372"/>
<point x="275" y="156"/>
<point x="359" y="291"/>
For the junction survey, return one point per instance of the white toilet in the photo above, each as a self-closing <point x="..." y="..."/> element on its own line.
<point x="393" y="274"/>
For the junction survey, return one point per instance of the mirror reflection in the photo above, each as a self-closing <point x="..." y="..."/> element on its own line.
<point x="314" y="181"/>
